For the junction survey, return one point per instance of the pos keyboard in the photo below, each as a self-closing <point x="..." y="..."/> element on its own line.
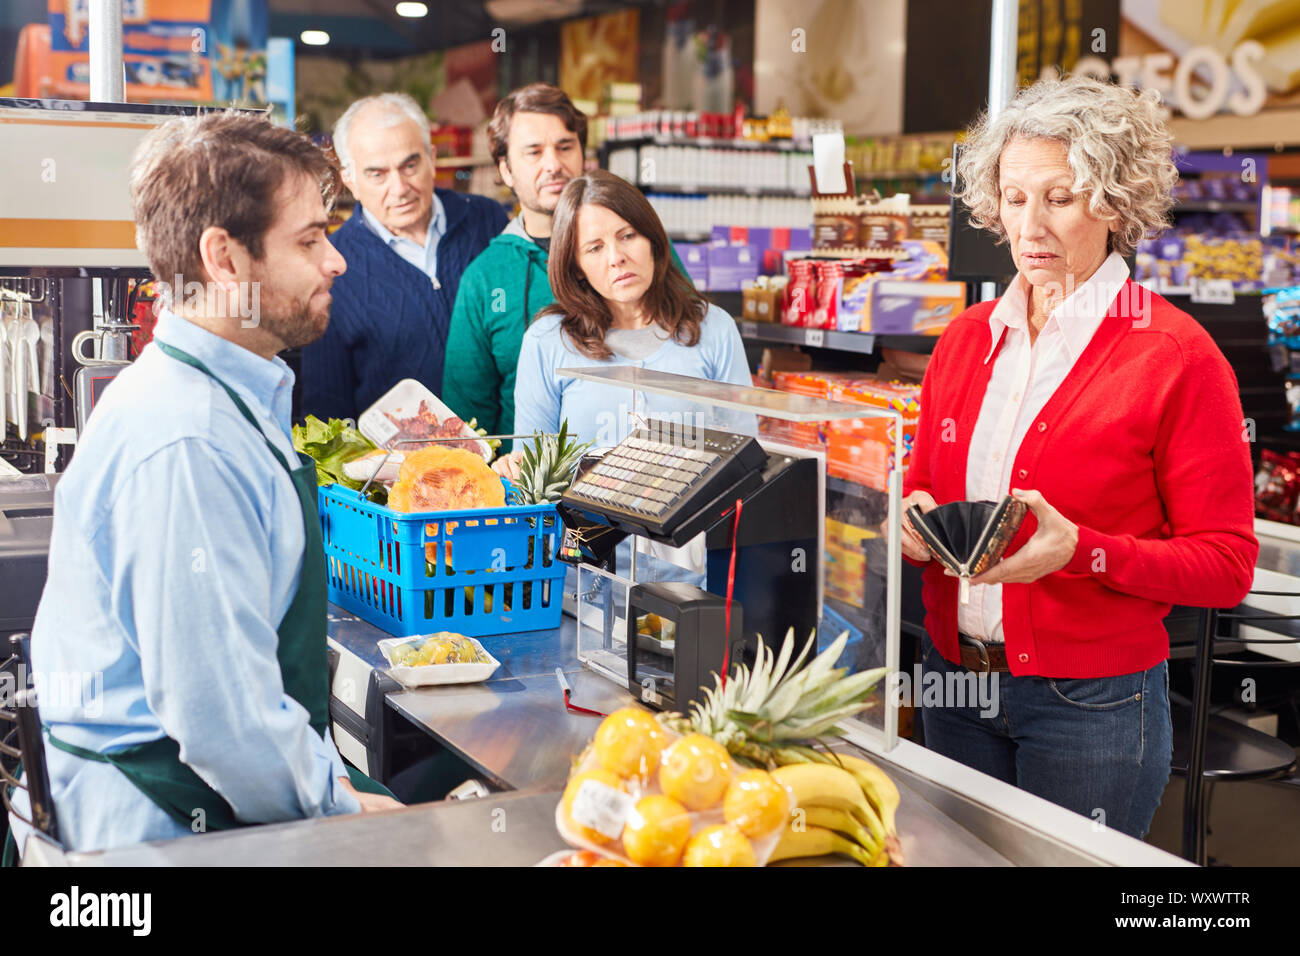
<point x="654" y="482"/>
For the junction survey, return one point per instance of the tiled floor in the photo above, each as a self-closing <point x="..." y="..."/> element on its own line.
<point x="1251" y="824"/>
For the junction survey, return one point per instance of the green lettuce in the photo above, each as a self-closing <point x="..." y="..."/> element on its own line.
<point x="330" y="444"/>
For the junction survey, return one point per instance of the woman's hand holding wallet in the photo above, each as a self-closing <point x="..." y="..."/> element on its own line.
<point x="913" y="546"/>
<point x="1049" y="549"/>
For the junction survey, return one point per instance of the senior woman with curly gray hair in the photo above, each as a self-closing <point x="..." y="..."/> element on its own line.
<point x="1116" y="419"/>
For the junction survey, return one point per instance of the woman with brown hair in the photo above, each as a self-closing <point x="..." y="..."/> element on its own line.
<point x="618" y="301"/>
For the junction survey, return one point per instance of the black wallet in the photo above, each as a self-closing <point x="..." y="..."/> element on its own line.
<point x="968" y="537"/>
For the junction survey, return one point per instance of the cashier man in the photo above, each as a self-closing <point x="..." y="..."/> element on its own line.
<point x="186" y="564"/>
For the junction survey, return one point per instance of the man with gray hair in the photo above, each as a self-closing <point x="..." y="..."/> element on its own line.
<point x="406" y="245"/>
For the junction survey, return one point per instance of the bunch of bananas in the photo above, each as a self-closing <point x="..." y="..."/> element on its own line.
<point x="845" y="805"/>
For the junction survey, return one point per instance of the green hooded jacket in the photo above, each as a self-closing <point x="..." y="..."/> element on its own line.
<point x="501" y="292"/>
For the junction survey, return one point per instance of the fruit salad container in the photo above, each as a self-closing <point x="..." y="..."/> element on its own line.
<point x="644" y="795"/>
<point x="409" y="669"/>
<point x="477" y="572"/>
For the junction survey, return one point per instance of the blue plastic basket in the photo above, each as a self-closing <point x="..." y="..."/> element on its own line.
<point x="476" y="572"/>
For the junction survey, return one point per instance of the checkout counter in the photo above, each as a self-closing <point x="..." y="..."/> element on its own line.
<point x="515" y="734"/>
<point x="513" y="730"/>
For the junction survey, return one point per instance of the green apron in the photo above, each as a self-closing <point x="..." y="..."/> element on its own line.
<point x="155" y="767"/>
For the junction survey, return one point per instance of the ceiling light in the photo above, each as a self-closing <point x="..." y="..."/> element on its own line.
<point x="412" y="10"/>
<point x="314" y="37"/>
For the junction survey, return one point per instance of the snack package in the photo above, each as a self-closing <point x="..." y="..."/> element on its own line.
<point x="800" y="293"/>
<point x="643" y="795"/>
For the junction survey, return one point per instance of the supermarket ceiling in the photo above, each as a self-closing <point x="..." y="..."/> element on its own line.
<point x="374" y="26"/>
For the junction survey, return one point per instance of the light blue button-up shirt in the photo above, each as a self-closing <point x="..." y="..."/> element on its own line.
<point x="423" y="257"/>
<point x="175" y="553"/>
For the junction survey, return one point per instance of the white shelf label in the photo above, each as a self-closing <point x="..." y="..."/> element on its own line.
<point x="749" y="329"/>
<point x="1213" y="291"/>
<point x="815" y="337"/>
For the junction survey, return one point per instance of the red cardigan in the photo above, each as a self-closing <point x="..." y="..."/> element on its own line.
<point x="1143" y="446"/>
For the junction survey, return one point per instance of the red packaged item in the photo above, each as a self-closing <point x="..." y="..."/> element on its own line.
<point x="830" y="277"/>
<point x="1277" y="486"/>
<point x="800" y="293"/>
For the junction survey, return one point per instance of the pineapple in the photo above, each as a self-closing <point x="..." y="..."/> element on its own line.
<point x="547" y="467"/>
<point x="760" y="715"/>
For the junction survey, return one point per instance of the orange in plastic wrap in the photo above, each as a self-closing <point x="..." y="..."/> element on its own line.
<point x="756" y="804"/>
<point x="721" y="845"/>
<point x="600" y="777"/>
<point x="656" y="831"/>
<point x="629" y="741"/>
<point x="695" y="771"/>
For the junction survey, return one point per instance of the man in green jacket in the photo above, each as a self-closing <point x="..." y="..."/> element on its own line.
<point x="538" y="138"/>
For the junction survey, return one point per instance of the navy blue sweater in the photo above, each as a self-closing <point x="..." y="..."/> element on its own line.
<point x="387" y="321"/>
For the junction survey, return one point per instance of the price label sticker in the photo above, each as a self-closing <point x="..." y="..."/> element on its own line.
<point x="601" y="807"/>
<point x="749" y="329"/>
<point x="1213" y="291"/>
<point x="815" y="337"/>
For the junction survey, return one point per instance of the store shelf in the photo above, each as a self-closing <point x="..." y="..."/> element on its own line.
<point x="860" y="342"/>
<point x="775" y="145"/>
<point x="1217" y="205"/>
<point x="694" y="190"/>
<point x="873" y="175"/>
<point x="690" y="236"/>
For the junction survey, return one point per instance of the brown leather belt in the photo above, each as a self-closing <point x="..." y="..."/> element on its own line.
<point x="982" y="657"/>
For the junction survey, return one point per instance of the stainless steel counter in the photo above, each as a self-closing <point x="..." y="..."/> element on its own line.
<point x="515" y="730"/>
<point x="515" y="829"/>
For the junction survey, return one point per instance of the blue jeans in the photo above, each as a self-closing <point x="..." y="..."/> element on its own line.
<point x="1098" y="746"/>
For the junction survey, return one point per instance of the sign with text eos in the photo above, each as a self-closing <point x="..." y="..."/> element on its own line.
<point x="1209" y="57"/>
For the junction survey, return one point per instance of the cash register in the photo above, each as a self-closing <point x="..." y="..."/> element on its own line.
<point x="668" y="483"/>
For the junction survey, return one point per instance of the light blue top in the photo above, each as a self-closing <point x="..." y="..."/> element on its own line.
<point x="423" y="257"/>
<point x="601" y="412"/>
<point x="175" y="553"/>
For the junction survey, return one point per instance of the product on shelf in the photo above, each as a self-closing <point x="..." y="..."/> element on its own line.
<point x="695" y="257"/>
<point x="1282" y="313"/>
<point x="889" y="296"/>
<point x="846" y="561"/>
<point x="856" y="449"/>
<point x="930" y="223"/>
<point x="860" y="225"/>
<point x="762" y="298"/>
<point x="693" y="125"/>
<point x="890" y="157"/>
<point x="1277" y="486"/>
<point x="731" y="266"/>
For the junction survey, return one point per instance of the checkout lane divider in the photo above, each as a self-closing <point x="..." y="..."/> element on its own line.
<point x="569" y="705"/>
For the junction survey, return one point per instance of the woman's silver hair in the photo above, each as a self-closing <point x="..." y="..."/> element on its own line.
<point x="395" y="108"/>
<point x="1117" y="145"/>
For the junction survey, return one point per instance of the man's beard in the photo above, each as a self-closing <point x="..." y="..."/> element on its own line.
<point x="536" y="204"/>
<point x="297" y="325"/>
